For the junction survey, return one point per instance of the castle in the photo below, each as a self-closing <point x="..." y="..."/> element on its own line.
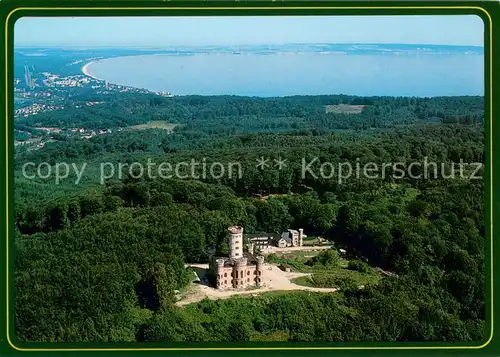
<point x="239" y="270"/>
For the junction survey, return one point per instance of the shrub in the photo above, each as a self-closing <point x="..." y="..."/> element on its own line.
<point x="358" y="265"/>
<point x="329" y="257"/>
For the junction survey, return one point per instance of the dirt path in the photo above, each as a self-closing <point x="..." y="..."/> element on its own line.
<point x="274" y="279"/>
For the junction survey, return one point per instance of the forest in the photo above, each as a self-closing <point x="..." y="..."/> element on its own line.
<point x="102" y="263"/>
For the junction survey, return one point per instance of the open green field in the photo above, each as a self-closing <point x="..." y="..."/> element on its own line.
<point x="156" y="124"/>
<point x="295" y="260"/>
<point x="340" y="277"/>
<point x="298" y="254"/>
<point x="328" y="269"/>
<point x="344" y="109"/>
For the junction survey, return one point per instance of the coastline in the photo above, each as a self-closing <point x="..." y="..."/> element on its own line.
<point x="85" y="70"/>
<point x="85" y="67"/>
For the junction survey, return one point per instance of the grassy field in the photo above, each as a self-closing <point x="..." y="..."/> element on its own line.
<point x="299" y="259"/>
<point x="344" y="109"/>
<point x="341" y="278"/>
<point x="300" y="254"/>
<point x="324" y="276"/>
<point x="296" y="261"/>
<point x="157" y="124"/>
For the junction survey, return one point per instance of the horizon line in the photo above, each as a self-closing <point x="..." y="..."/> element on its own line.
<point x="236" y="44"/>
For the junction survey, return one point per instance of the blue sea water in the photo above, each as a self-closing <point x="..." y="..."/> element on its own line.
<point x="307" y="69"/>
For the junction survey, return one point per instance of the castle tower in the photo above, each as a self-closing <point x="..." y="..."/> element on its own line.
<point x="294" y="235"/>
<point x="259" y="270"/>
<point x="219" y="271"/>
<point x="240" y="279"/>
<point x="301" y="237"/>
<point x="235" y="241"/>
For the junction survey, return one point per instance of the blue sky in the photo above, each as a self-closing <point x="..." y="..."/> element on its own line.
<point x="177" y="31"/>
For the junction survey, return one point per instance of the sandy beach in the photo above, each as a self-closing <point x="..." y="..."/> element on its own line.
<point x="85" y="70"/>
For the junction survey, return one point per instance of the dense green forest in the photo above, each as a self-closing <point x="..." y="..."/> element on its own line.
<point x="225" y="115"/>
<point x="102" y="262"/>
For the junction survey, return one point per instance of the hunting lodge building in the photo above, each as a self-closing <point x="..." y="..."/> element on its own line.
<point x="239" y="270"/>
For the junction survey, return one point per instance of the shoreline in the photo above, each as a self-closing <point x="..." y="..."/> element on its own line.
<point x="85" y="67"/>
<point x="85" y="70"/>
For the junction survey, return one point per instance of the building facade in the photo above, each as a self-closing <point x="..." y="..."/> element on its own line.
<point x="240" y="269"/>
<point x="261" y="242"/>
<point x="291" y="238"/>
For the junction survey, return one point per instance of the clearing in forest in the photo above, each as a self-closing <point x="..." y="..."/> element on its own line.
<point x="287" y="271"/>
<point x="274" y="279"/>
<point x="156" y="124"/>
<point x="344" y="109"/>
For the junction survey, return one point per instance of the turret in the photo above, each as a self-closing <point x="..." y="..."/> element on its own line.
<point x="220" y="264"/>
<point x="235" y="241"/>
<point x="240" y="273"/>
<point x="259" y="269"/>
<point x="219" y="270"/>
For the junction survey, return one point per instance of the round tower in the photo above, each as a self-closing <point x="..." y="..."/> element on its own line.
<point x="219" y="271"/>
<point x="240" y="273"/>
<point x="235" y="242"/>
<point x="259" y="270"/>
<point x="301" y="237"/>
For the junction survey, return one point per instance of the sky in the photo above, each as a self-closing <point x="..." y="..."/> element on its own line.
<point x="198" y="31"/>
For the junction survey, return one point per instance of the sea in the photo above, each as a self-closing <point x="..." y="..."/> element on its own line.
<point x="303" y="69"/>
